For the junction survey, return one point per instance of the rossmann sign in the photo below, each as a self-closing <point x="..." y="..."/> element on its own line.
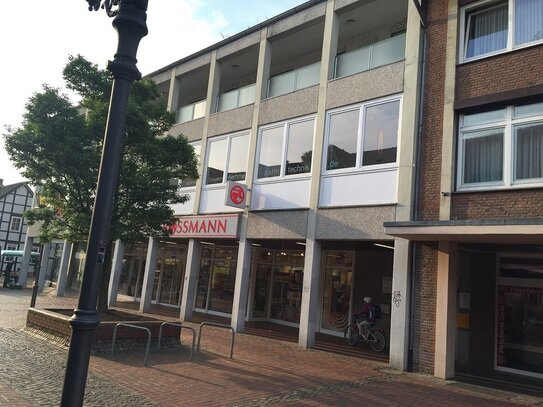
<point x="219" y="226"/>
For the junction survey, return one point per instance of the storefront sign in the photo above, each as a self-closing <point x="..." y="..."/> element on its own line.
<point x="218" y="226"/>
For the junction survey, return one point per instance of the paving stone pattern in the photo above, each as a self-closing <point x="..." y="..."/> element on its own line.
<point x="32" y="369"/>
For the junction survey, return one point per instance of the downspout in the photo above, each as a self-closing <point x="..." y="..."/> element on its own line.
<point x="422" y="9"/>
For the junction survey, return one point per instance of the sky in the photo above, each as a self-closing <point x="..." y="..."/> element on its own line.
<point x="38" y="36"/>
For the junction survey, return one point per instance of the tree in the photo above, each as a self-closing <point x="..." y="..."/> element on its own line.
<point x="59" y="144"/>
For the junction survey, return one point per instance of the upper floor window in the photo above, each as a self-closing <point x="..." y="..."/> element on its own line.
<point x="501" y="148"/>
<point x="286" y="149"/>
<point x="492" y="27"/>
<point x="364" y="136"/>
<point x="191" y="182"/>
<point x="15" y="224"/>
<point x="227" y="159"/>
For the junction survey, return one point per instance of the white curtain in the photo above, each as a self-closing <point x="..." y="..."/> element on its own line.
<point x="529" y="151"/>
<point x="483" y="158"/>
<point x="528" y="21"/>
<point x="487" y="31"/>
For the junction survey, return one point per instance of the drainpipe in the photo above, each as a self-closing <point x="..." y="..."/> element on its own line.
<point x="422" y="9"/>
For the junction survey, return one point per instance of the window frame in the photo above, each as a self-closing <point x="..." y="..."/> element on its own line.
<point x="285" y="125"/>
<point x="508" y="124"/>
<point x="361" y="107"/>
<point x="20" y="218"/>
<point x="229" y="138"/>
<point x="510" y="44"/>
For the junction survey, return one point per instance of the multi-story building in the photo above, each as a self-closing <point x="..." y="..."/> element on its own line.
<point x="15" y="199"/>
<point x="477" y="227"/>
<point x="315" y="111"/>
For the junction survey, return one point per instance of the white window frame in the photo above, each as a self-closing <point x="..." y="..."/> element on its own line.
<point x="11" y="224"/>
<point x="286" y="134"/>
<point x="197" y="146"/>
<point x="509" y="151"/>
<point x="361" y="107"/>
<point x="10" y="246"/>
<point x="510" y="46"/>
<point x="228" y="137"/>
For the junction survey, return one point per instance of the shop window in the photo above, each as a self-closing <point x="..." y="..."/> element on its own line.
<point x="492" y="27"/>
<point x="501" y="148"/>
<point x="286" y="149"/>
<point x="364" y="136"/>
<point x="15" y="224"/>
<point x="191" y="182"/>
<point x="227" y="159"/>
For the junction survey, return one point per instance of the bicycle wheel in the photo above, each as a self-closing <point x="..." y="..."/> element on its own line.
<point x="351" y="334"/>
<point x="377" y="341"/>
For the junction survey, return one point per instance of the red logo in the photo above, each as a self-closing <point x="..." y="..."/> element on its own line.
<point x="237" y="194"/>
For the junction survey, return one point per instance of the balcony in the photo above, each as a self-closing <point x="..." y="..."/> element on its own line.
<point x="372" y="56"/>
<point x="236" y="98"/>
<point x="296" y="79"/>
<point x="191" y="112"/>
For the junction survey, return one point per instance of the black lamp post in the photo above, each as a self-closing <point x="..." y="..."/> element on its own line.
<point x="130" y="17"/>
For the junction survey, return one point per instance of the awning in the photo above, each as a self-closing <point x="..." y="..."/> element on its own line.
<point x="505" y="231"/>
<point x="16" y="253"/>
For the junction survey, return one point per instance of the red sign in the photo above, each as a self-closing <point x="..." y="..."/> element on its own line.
<point x="237" y="194"/>
<point x="206" y="226"/>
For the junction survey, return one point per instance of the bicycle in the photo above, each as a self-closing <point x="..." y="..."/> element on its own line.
<point x="374" y="336"/>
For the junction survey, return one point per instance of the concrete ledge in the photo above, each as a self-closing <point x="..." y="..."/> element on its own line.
<point x="53" y="325"/>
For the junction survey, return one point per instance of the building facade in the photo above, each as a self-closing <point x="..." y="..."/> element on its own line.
<point x="315" y="111"/>
<point x="477" y="228"/>
<point x="15" y="199"/>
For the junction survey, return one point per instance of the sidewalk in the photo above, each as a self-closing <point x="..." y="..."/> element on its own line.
<point x="263" y="372"/>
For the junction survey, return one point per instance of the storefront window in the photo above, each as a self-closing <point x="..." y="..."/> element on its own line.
<point x="342" y="142"/>
<point x="216" y="279"/>
<point x="133" y="266"/>
<point x="216" y="162"/>
<point x="191" y="182"/>
<point x="300" y="147"/>
<point x="381" y="133"/>
<point x="271" y="143"/>
<point x="519" y="343"/>
<point x="237" y="164"/>
<point x="230" y="153"/>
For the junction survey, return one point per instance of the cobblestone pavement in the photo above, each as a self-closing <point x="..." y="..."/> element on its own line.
<point x="263" y="372"/>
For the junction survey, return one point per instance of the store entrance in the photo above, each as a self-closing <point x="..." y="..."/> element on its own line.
<point x="278" y="285"/>
<point x="169" y="273"/>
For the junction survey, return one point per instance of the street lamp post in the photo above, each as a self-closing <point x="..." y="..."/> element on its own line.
<point x="130" y="23"/>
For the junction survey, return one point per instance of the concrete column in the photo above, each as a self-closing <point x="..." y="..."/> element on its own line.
<point x="43" y="265"/>
<point x="310" y="291"/>
<point x="115" y="276"/>
<point x="173" y="93"/>
<point x="63" y="268"/>
<point x="445" y="336"/>
<point x="190" y="284"/>
<point x="149" y="275"/>
<point x="400" y="307"/>
<point x="25" y="261"/>
<point x="243" y="271"/>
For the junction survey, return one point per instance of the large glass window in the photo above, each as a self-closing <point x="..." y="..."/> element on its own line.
<point x="286" y="149"/>
<point x="496" y="26"/>
<point x="191" y="182"/>
<point x="375" y="142"/>
<point x="502" y="147"/>
<point x="227" y="159"/>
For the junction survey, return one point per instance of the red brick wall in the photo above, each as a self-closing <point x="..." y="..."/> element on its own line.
<point x="430" y="148"/>
<point x="424" y="308"/>
<point x="527" y="203"/>
<point x="501" y="73"/>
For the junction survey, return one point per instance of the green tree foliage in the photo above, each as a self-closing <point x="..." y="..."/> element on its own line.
<point x="59" y="144"/>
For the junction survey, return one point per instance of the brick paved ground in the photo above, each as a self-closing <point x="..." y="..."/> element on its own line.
<point x="263" y="372"/>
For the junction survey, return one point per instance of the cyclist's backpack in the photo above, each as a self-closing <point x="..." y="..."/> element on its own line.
<point x="375" y="312"/>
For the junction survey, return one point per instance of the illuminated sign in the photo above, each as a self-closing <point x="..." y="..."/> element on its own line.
<point x="218" y="226"/>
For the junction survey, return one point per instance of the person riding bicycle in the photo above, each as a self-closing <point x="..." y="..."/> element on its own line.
<point x="366" y="315"/>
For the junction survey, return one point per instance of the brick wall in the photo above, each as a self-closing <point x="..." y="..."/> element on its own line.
<point x="424" y="308"/>
<point x="510" y="204"/>
<point x="520" y="69"/>
<point x="430" y="148"/>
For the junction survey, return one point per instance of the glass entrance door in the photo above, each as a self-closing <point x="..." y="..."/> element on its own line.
<point x="338" y="277"/>
<point x="519" y="336"/>
<point x="171" y="270"/>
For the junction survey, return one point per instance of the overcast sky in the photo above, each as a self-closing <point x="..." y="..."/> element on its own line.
<point x="38" y="35"/>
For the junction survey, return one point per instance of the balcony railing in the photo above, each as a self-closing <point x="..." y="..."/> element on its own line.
<point x="236" y="98"/>
<point x="294" y="80"/>
<point x="374" y="55"/>
<point x="191" y="112"/>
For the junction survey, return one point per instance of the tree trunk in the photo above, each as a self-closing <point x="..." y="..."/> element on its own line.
<point x="106" y="273"/>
